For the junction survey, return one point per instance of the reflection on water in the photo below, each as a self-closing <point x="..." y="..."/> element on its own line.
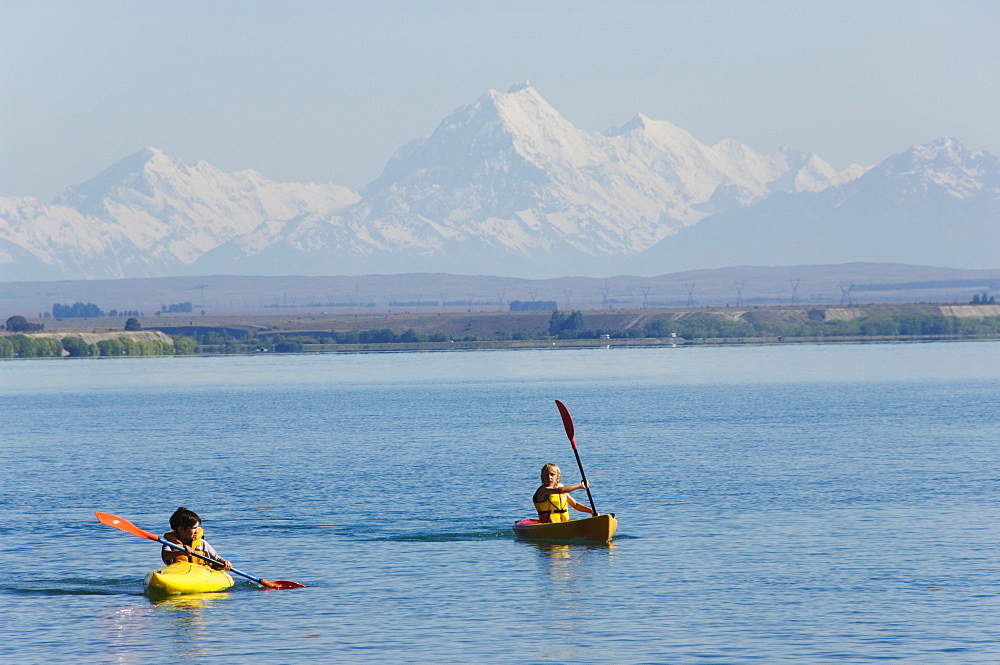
<point x="190" y="603"/>
<point x="183" y="619"/>
<point x="570" y="563"/>
<point x="569" y="572"/>
<point x="553" y="550"/>
<point x="123" y="629"/>
<point x="187" y="614"/>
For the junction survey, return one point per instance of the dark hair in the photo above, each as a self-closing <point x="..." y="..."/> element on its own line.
<point x="183" y="518"/>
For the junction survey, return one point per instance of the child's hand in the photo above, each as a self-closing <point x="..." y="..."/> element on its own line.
<point x="227" y="564"/>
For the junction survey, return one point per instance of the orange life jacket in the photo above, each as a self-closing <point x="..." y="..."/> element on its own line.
<point x="196" y="545"/>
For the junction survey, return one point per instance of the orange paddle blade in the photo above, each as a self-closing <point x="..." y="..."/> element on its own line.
<point x="123" y="524"/>
<point x="567" y="422"/>
<point x="282" y="584"/>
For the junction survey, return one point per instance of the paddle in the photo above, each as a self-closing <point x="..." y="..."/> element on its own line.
<point x="128" y="527"/>
<point x="568" y="425"/>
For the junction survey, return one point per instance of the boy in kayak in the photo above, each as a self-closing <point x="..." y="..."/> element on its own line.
<point x="186" y="530"/>
<point x="552" y="498"/>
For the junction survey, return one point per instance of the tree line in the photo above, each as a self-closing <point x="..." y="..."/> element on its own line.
<point x="562" y="325"/>
<point x="573" y="325"/>
<point x="896" y="325"/>
<point x="25" y="346"/>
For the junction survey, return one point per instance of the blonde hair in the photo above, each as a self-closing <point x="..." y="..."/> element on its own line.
<point x="552" y="467"/>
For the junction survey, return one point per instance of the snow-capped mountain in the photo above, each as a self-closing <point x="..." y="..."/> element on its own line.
<point x="506" y="186"/>
<point x="935" y="204"/>
<point x="148" y="215"/>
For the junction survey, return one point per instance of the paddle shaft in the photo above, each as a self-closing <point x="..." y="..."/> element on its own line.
<point x="161" y="539"/>
<point x="570" y="432"/>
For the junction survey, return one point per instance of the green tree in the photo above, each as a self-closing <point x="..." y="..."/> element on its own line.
<point x="24" y="346"/>
<point x="18" y="323"/>
<point x="76" y="347"/>
<point x="133" y="324"/>
<point x="6" y="348"/>
<point x="348" y="337"/>
<point x="184" y="346"/>
<point x="48" y="347"/>
<point x="110" y="347"/>
<point x="410" y="335"/>
<point x="574" y="322"/>
<point x="380" y="336"/>
<point x="556" y="322"/>
<point x="566" y="326"/>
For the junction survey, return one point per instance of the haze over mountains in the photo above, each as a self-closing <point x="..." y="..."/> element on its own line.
<point x="506" y="186"/>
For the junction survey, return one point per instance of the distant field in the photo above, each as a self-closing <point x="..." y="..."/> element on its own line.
<point x="489" y="324"/>
<point x="336" y="300"/>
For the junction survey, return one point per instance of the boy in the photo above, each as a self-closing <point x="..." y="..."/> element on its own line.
<point x="187" y="531"/>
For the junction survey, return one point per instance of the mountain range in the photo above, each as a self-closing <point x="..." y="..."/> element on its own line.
<point x="506" y="186"/>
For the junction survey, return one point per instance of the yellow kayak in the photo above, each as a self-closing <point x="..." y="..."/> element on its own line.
<point x="186" y="578"/>
<point x="598" y="529"/>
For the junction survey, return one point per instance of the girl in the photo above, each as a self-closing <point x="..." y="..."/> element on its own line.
<point x="552" y="498"/>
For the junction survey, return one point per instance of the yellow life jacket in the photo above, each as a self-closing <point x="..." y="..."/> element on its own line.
<point x="195" y="545"/>
<point x="554" y="508"/>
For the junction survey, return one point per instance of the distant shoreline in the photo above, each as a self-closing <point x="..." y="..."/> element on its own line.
<point x="533" y="330"/>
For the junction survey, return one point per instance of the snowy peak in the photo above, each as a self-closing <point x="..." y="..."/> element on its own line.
<point x="637" y="123"/>
<point x="151" y="183"/>
<point x="507" y="170"/>
<point x="936" y="204"/>
<point x="137" y="172"/>
<point x="514" y="136"/>
<point x="151" y="213"/>
<point x="945" y="164"/>
<point x="661" y="132"/>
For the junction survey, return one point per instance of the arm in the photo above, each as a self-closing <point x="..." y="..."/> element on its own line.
<point x="222" y="564"/>
<point x="169" y="554"/>
<point x="565" y="489"/>
<point x="218" y="562"/>
<point x="579" y="506"/>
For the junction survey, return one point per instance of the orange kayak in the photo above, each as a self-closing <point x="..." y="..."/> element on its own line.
<point x="599" y="529"/>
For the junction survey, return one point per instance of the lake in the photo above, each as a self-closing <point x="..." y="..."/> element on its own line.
<point x="776" y="504"/>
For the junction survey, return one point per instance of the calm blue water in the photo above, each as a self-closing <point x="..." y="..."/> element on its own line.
<point x="777" y="504"/>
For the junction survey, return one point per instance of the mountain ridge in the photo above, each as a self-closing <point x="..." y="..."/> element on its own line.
<point x="505" y="185"/>
<point x="901" y="211"/>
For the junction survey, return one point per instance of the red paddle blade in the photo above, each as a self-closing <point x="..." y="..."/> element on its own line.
<point x="123" y="524"/>
<point x="282" y="584"/>
<point x="567" y="422"/>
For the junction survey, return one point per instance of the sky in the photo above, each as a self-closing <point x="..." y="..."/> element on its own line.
<point x="319" y="91"/>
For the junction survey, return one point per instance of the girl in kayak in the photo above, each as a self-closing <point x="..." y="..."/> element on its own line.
<point x="186" y="530"/>
<point x="552" y="498"/>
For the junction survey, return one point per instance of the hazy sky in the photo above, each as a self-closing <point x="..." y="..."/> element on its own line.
<point x="324" y="91"/>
